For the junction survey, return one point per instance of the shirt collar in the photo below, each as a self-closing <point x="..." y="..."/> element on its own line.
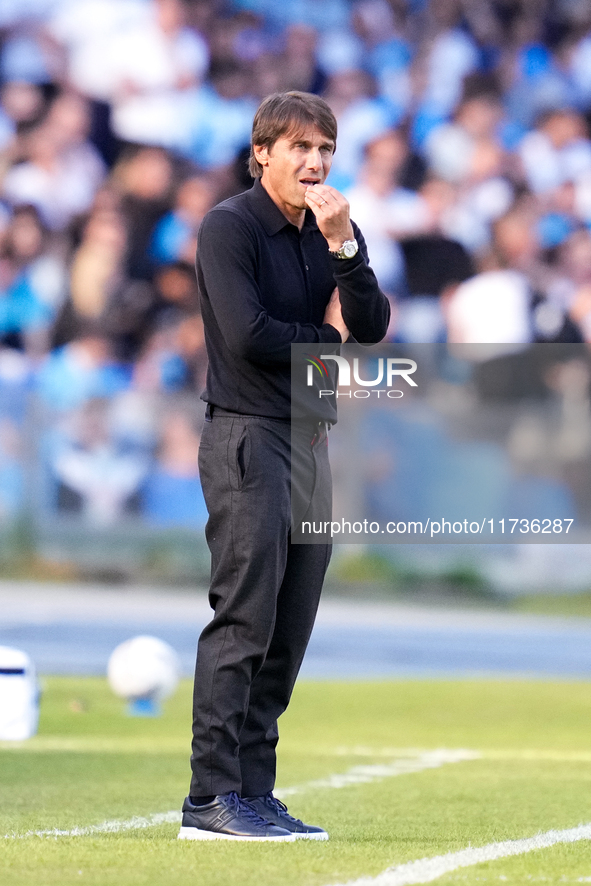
<point x="269" y="213"/>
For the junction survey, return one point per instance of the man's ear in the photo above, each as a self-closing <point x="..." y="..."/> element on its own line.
<point x="261" y="154"/>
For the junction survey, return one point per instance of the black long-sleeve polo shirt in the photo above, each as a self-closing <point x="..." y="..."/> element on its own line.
<point x="264" y="285"/>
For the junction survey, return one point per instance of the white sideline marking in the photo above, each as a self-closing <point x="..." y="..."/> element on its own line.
<point x="484" y="754"/>
<point x="356" y="775"/>
<point x="106" y="827"/>
<point x="425" y="870"/>
<point x="368" y="774"/>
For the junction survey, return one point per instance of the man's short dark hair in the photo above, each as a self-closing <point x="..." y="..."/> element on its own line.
<point x="284" y="113"/>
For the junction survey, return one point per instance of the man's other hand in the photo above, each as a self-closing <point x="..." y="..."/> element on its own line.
<point x="334" y="315"/>
<point x="332" y="214"/>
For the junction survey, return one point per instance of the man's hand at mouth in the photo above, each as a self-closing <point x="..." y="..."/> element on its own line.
<point x="332" y="214"/>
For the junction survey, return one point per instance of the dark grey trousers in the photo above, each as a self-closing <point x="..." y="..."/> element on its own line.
<point x="264" y="592"/>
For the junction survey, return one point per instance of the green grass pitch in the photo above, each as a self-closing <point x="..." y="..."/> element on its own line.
<point x="91" y="763"/>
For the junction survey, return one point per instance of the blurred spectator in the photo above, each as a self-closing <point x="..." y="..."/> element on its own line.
<point x="98" y="265"/>
<point x="84" y="31"/>
<point x="484" y="196"/>
<point x="160" y="368"/>
<point x="21" y="106"/>
<point x="558" y="215"/>
<point x="449" y="54"/>
<point x="177" y="296"/>
<point x="154" y="61"/>
<point x="24" y="58"/>
<point x="361" y="116"/>
<point x="59" y="175"/>
<point x="386" y="52"/>
<point x="434" y="267"/>
<point x="175" y="236"/>
<point x="17" y="12"/>
<point x="70" y="118"/>
<point x="141" y="58"/>
<point x="191" y="346"/>
<point x="539" y="82"/>
<point x="298" y="62"/>
<point x="12" y="475"/>
<point x="15" y="384"/>
<point x="324" y="15"/>
<point x="134" y="419"/>
<point x="79" y="371"/>
<point x="575" y="288"/>
<point x="513" y="300"/>
<point x="171" y="494"/>
<point x="468" y="154"/>
<point x="173" y="357"/>
<point x="96" y="476"/>
<point x="23" y="316"/>
<point x="102" y="296"/>
<point x="491" y="308"/>
<point x="383" y="210"/>
<point x="580" y="71"/>
<point x="450" y="146"/>
<point x="40" y="280"/>
<point x="495" y="305"/>
<point x="556" y="151"/>
<point x="219" y="116"/>
<point x="144" y="179"/>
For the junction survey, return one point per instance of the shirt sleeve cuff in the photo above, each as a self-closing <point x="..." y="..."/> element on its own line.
<point x="344" y="265"/>
<point x="330" y="334"/>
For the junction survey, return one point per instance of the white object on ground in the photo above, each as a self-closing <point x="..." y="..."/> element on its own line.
<point x="19" y="695"/>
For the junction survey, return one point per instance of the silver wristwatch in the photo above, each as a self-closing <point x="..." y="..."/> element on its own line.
<point x="347" y="250"/>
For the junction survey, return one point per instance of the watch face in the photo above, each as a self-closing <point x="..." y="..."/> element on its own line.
<point x="349" y="249"/>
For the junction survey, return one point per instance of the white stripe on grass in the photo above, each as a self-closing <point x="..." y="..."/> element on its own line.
<point x="425" y="870"/>
<point x="105" y="827"/>
<point x="533" y="754"/>
<point x="380" y="771"/>
<point x="354" y="776"/>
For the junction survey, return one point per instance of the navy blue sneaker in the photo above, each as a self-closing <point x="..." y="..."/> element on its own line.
<point x="276" y="812"/>
<point x="227" y="817"/>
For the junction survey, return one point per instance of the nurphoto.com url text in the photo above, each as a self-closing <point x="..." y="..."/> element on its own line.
<point x="432" y="528"/>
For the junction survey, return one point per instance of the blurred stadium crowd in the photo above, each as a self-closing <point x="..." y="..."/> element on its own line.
<point x="463" y="149"/>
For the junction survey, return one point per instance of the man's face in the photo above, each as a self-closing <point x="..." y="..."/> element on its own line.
<point x="293" y="164"/>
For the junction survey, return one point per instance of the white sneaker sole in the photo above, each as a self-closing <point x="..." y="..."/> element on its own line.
<point x="197" y="834"/>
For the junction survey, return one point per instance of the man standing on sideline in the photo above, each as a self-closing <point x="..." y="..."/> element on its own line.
<point x="278" y="265"/>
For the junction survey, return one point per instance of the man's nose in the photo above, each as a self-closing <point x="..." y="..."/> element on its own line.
<point x="314" y="159"/>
